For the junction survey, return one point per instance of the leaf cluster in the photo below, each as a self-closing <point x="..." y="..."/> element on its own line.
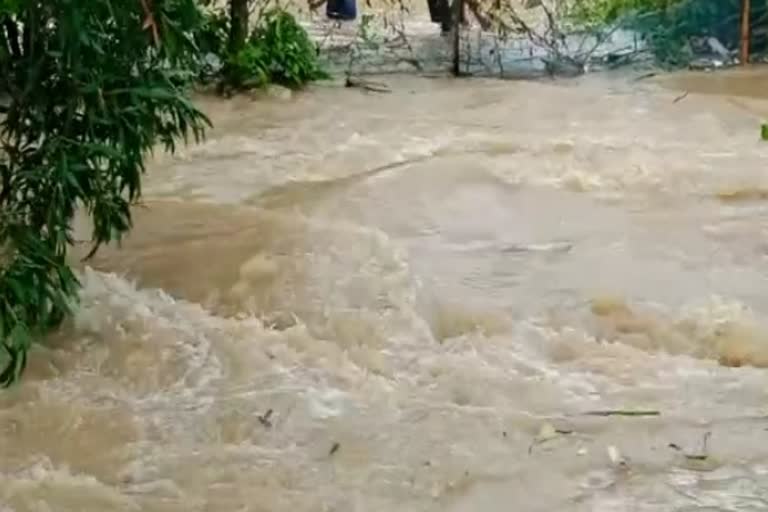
<point x="672" y="27"/>
<point x="278" y="51"/>
<point x="87" y="89"/>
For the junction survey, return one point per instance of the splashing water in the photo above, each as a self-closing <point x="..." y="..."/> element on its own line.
<point x="427" y="300"/>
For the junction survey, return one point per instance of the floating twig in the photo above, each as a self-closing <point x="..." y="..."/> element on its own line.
<point x="704" y="449"/>
<point x="683" y="493"/>
<point x="264" y="418"/>
<point x="622" y="412"/>
<point x="703" y="455"/>
<point x="546" y="433"/>
<point x="681" y="97"/>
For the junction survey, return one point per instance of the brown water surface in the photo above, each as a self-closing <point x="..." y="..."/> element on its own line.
<point x="410" y="301"/>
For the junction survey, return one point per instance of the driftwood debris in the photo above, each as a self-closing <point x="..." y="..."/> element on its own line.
<point x="703" y="453"/>
<point x="547" y="432"/>
<point x="623" y="412"/>
<point x="366" y="85"/>
<point x="646" y="76"/>
<point x="265" y="419"/>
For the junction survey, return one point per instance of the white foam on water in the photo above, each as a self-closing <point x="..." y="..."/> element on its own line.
<point x="382" y="348"/>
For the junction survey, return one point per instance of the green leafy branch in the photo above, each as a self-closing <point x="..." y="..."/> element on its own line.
<point x="94" y="86"/>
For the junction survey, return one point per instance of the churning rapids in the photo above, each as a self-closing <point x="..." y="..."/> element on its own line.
<point x="413" y="302"/>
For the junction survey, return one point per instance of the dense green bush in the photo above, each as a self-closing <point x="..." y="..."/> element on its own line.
<point x="212" y="33"/>
<point x="670" y="31"/>
<point x="279" y="51"/>
<point x="604" y="12"/>
<point x="670" y="26"/>
<point x="247" y="69"/>
<point x="291" y="57"/>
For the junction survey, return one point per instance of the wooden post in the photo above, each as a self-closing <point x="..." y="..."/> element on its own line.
<point x="745" y="32"/>
<point x="458" y="10"/>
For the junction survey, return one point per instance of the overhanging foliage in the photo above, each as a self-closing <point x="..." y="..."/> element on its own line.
<point x="87" y="88"/>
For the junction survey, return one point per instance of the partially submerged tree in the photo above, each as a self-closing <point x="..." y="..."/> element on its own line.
<point x="87" y="89"/>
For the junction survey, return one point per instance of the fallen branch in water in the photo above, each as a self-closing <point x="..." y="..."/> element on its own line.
<point x="646" y="76"/>
<point x="622" y="412"/>
<point x="688" y="456"/>
<point x="547" y="433"/>
<point x="265" y="419"/>
<point x="366" y="85"/>
<point x="703" y="455"/>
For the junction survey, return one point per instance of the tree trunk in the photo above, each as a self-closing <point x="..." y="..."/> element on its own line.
<point x="746" y="16"/>
<point x="238" y="29"/>
<point x="457" y="18"/>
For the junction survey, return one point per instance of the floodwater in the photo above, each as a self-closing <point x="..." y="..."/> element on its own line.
<point x="427" y="300"/>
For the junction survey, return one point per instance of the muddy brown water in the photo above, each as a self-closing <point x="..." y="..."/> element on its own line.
<point x="411" y="301"/>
